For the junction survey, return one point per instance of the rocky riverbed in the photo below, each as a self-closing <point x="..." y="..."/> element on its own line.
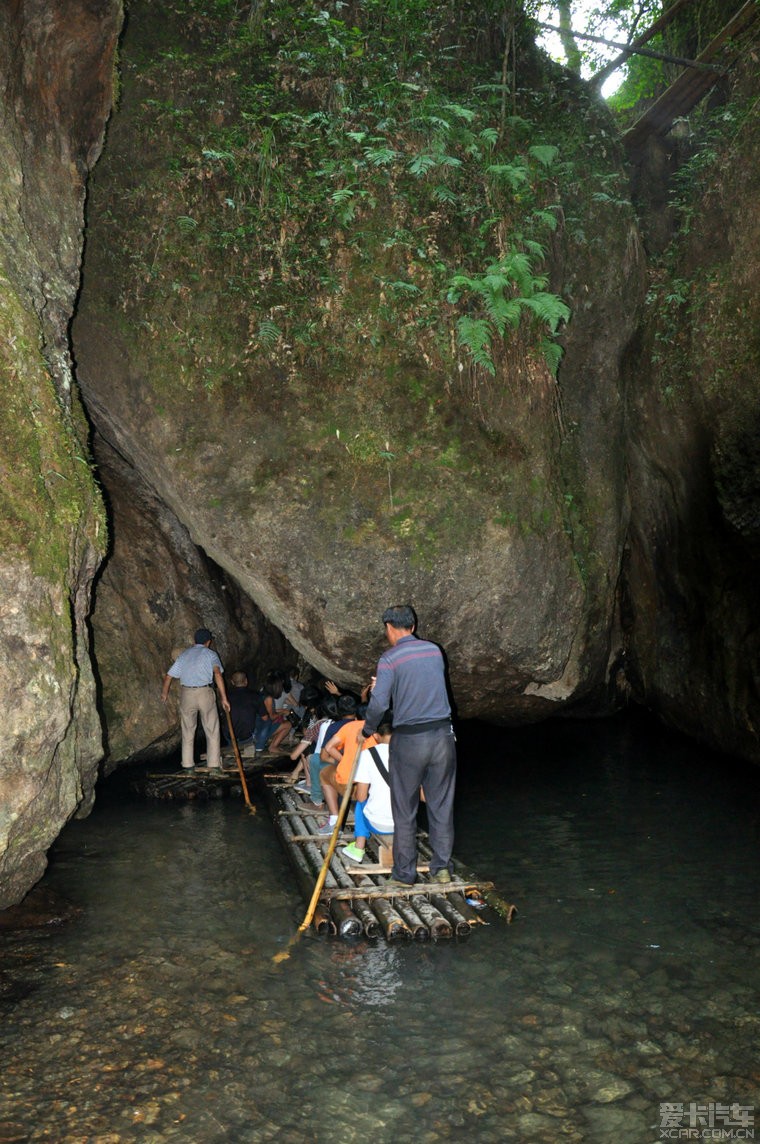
<point x="628" y="980"/>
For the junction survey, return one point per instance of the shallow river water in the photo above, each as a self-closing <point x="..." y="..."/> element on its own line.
<point x="621" y="1005"/>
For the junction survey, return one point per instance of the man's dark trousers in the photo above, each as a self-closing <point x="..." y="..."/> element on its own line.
<point x="424" y="759"/>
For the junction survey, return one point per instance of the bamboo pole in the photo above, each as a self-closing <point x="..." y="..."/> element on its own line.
<point x="661" y="22"/>
<point x="373" y="894"/>
<point x="285" y="953"/>
<point x="239" y="761"/>
<point x="688" y="89"/>
<point x="323" y="923"/>
<point x="629" y="49"/>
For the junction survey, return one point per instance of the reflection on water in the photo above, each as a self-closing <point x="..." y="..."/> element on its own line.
<point x="629" y="978"/>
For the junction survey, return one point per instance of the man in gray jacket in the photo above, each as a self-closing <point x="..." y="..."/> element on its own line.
<point x="411" y="678"/>
<point x="197" y="669"/>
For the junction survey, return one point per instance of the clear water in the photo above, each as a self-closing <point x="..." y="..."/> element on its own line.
<point x="629" y="979"/>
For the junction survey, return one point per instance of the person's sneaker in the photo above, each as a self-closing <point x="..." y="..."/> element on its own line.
<point x="441" y="876"/>
<point x="248" y="752"/>
<point x="397" y="884"/>
<point x="303" y="787"/>
<point x="353" y="852"/>
<point x="326" y="828"/>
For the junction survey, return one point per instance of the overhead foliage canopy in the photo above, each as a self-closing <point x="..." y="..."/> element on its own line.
<point x="681" y="29"/>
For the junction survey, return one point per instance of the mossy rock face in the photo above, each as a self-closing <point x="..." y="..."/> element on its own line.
<point x="273" y="347"/>
<point x="695" y="445"/>
<point x="57" y="73"/>
<point x="53" y="531"/>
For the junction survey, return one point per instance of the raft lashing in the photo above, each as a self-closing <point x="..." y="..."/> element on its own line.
<point x="355" y="900"/>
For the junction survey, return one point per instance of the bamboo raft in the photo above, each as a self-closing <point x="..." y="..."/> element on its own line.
<point x="198" y="785"/>
<point x="355" y="900"/>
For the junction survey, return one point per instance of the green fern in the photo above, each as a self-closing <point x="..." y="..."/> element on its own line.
<point x="475" y="335"/>
<point x="506" y="291"/>
<point x="549" y="308"/>
<point x="421" y="164"/>
<point x="444" y="194"/>
<point x="269" y="333"/>
<point x="514" y="175"/>
<point x="552" y="354"/>
<point x="380" y="156"/>
<point x="544" y="153"/>
<point x="465" y="113"/>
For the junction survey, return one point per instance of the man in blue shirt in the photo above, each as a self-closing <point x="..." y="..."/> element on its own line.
<point x="411" y="678"/>
<point x="197" y="669"/>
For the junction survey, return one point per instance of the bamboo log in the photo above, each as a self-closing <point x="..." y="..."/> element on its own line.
<point x="338" y="876"/>
<point x="459" y="923"/>
<point x="365" y="915"/>
<point x="310" y="854"/>
<point x="393" y="925"/>
<point x="435" y="921"/>
<point x="504" y="909"/>
<point x="417" y="928"/>
<point x="467" y="912"/>
<point x="374" y="926"/>
<point x="345" y="919"/>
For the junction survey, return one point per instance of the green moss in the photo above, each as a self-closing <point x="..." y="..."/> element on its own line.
<point x="47" y="493"/>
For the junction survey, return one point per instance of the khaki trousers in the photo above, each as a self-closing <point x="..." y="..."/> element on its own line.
<point x="195" y="701"/>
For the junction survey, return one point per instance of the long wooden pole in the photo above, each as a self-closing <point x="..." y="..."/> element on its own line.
<point x="333" y="840"/>
<point x="239" y="762"/>
<point x="660" y="23"/>
<point x="630" y="50"/>
<point x="285" y="953"/>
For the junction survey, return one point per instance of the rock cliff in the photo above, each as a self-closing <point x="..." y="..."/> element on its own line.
<point x="342" y="456"/>
<point x="56" y="66"/>
<point x="692" y="564"/>
<point x="317" y="345"/>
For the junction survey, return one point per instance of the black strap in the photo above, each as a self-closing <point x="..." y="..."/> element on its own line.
<point x="380" y="764"/>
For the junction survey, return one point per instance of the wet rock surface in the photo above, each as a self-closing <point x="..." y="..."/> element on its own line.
<point x="693" y="441"/>
<point x="56" y="65"/>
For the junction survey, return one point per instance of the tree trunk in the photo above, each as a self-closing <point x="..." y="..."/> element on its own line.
<point x="567" y="36"/>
